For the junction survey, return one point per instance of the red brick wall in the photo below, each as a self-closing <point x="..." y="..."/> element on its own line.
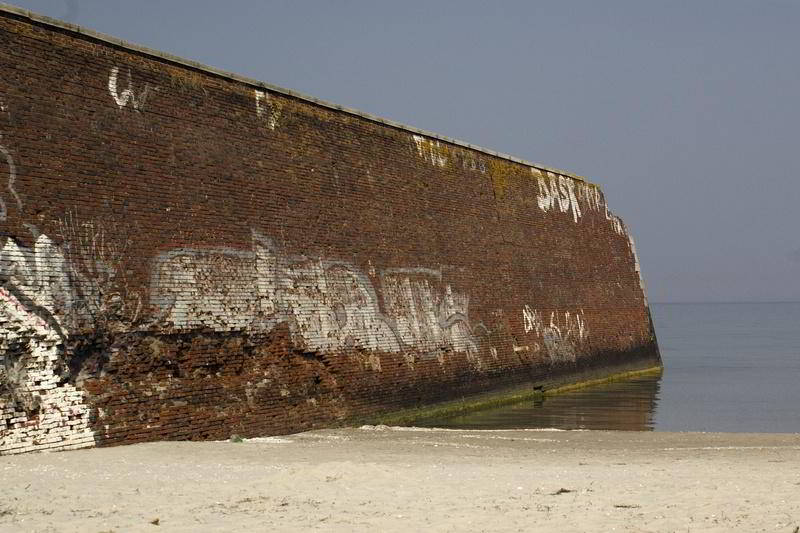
<point x="184" y="255"/>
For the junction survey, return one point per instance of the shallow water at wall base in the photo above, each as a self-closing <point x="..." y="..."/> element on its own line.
<point x="728" y="367"/>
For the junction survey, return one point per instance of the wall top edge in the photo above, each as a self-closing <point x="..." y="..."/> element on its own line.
<point x="164" y="56"/>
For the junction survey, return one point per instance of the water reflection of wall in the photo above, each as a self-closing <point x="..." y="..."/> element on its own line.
<point x="624" y="405"/>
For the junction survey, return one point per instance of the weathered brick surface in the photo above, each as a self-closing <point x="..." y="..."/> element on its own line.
<point x="185" y="256"/>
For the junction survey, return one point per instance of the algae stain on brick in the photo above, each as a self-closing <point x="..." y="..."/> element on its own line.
<point x="499" y="174"/>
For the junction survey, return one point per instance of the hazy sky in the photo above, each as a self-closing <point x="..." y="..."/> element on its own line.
<point x="686" y="112"/>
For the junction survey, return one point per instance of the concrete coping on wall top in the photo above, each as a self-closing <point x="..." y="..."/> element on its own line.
<point x="55" y="23"/>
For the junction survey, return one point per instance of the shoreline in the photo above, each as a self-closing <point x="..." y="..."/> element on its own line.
<point x="400" y="479"/>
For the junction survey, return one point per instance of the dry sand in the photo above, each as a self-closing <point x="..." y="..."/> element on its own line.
<point x="397" y="479"/>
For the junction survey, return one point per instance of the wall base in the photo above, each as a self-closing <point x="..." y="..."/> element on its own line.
<point x="507" y="396"/>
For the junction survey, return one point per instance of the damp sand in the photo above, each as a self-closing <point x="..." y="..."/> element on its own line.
<point x="403" y="479"/>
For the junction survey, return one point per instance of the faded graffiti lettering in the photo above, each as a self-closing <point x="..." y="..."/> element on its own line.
<point x="267" y="109"/>
<point x="94" y="252"/>
<point x="589" y="194"/>
<point x="615" y="221"/>
<point x="562" y="336"/>
<point x="12" y="176"/>
<point x="431" y="151"/>
<point x="440" y="155"/>
<point x="328" y="305"/>
<point x="426" y="315"/>
<point x="565" y="194"/>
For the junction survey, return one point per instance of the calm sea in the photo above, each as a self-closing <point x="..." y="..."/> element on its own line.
<point x="728" y="367"/>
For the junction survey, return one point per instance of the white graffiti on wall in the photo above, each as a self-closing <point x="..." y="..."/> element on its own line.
<point x="616" y="222"/>
<point x="589" y="194"/>
<point x="557" y="192"/>
<point x="127" y="95"/>
<point x="12" y="176"/>
<point x="47" y="293"/>
<point x="431" y="151"/>
<point x="267" y="109"/>
<point x="42" y="412"/>
<point x="562" y="336"/>
<point x="328" y="305"/>
<point x="40" y="275"/>
<point x="469" y="162"/>
<point x="440" y="155"/>
<point x="39" y="409"/>
<point x="565" y="194"/>
<point x="424" y="316"/>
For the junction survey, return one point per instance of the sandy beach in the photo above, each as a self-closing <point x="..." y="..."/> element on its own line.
<point x="405" y="479"/>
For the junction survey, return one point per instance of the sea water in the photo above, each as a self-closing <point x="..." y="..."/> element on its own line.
<point x="727" y="367"/>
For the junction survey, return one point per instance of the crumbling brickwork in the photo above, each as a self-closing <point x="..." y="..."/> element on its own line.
<point x="187" y="255"/>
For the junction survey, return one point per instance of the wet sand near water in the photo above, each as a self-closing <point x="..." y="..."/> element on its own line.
<point x="411" y="479"/>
